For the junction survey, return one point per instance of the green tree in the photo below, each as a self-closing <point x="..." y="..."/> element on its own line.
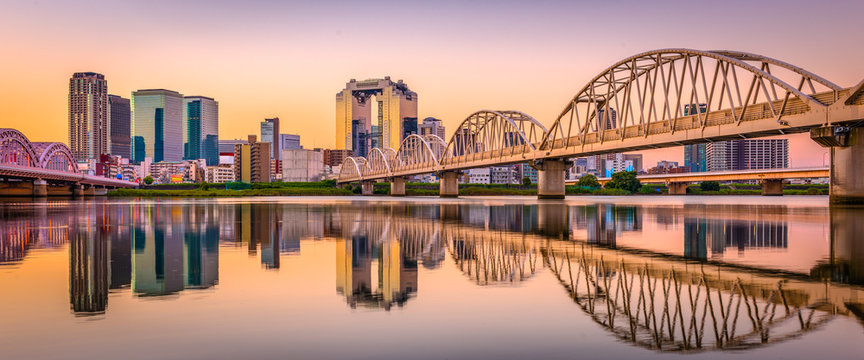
<point x="624" y="180"/>
<point x="588" y="180"/>
<point x="526" y="181"/>
<point x="709" y="186"/>
<point x="148" y="180"/>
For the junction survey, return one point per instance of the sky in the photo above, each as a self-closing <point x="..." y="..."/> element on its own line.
<point x="288" y="59"/>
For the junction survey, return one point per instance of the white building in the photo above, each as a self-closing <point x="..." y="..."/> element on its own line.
<point x="501" y="175"/>
<point x="219" y="174"/>
<point x="479" y="176"/>
<point x="302" y="165"/>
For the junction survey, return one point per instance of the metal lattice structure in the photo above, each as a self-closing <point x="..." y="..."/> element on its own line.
<point x="15" y="149"/>
<point x="55" y="156"/>
<point x="659" y="98"/>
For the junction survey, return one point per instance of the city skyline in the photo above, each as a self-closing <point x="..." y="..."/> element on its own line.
<point x="443" y="50"/>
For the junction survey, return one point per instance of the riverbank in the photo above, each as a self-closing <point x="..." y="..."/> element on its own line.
<point x="329" y="188"/>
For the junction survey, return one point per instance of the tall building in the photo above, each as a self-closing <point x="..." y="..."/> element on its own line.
<point x="695" y="156"/>
<point x="747" y="154"/>
<point x="201" y="135"/>
<point x="610" y="120"/>
<point x="157" y="125"/>
<point x="119" y="120"/>
<point x="252" y="161"/>
<point x="270" y="134"/>
<point x="88" y="115"/>
<point x="397" y="115"/>
<point x="637" y="161"/>
<point x="431" y="126"/>
<point x="289" y="142"/>
<point x="335" y="157"/>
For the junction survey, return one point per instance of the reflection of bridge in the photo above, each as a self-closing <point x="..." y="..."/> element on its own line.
<point x="639" y="103"/>
<point x="41" y="169"/>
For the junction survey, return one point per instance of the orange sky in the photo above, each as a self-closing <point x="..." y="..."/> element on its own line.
<point x="265" y="58"/>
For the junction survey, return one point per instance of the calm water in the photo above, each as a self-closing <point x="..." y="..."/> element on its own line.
<point x="377" y="278"/>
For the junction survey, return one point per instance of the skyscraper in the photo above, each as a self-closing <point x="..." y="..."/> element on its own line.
<point x="397" y="114"/>
<point x="747" y="154"/>
<point x="119" y="115"/>
<point x="201" y="135"/>
<point x="695" y="156"/>
<point x="270" y="134"/>
<point x="88" y="115"/>
<point x="252" y="161"/>
<point x="432" y="126"/>
<point x="157" y="125"/>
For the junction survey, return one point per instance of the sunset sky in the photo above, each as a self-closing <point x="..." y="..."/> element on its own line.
<point x="288" y="59"/>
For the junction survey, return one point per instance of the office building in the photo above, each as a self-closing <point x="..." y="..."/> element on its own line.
<point x="221" y="173"/>
<point x="201" y="136"/>
<point x="479" y="176"/>
<point x="431" y="126"/>
<point x="119" y="122"/>
<point x="302" y="165"/>
<point x="695" y="155"/>
<point x="157" y="125"/>
<point x="89" y="133"/>
<point x="289" y="142"/>
<point x="747" y="154"/>
<point x="396" y="115"/>
<point x="334" y="157"/>
<point x="269" y="134"/>
<point x="252" y="161"/>
<point x="636" y="159"/>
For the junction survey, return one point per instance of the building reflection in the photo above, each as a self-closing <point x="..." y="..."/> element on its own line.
<point x="89" y="264"/>
<point x="603" y="223"/>
<point x="719" y="235"/>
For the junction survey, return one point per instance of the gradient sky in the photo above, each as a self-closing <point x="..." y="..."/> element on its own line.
<point x="272" y="58"/>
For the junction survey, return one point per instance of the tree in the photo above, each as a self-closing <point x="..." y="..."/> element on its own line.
<point x="709" y="186"/>
<point x="588" y="181"/>
<point x="526" y="181"/>
<point x="148" y="180"/>
<point x="624" y="180"/>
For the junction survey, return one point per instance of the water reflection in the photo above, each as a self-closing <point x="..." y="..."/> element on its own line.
<point x="679" y="278"/>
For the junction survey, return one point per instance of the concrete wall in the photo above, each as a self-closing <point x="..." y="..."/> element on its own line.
<point x="302" y="165"/>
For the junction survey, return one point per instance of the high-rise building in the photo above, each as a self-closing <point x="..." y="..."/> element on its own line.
<point x="289" y="142"/>
<point x="397" y="115"/>
<point x="157" y="125"/>
<point x="201" y="135"/>
<point x="695" y="155"/>
<point x="335" y="157"/>
<point x="119" y="120"/>
<point x="270" y="134"/>
<point x="89" y="128"/>
<point x="747" y="154"/>
<point x="432" y="126"/>
<point x="610" y="120"/>
<point x="252" y="161"/>
<point x="637" y="161"/>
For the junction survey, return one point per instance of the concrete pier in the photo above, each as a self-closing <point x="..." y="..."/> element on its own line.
<point x="847" y="170"/>
<point x="449" y="181"/>
<point x="397" y="186"/>
<point x="550" y="178"/>
<point x="366" y="187"/>
<point x="40" y="188"/>
<point x="772" y="187"/>
<point x="677" y="188"/>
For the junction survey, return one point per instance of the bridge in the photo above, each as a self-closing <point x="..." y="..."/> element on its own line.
<point x="45" y="168"/>
<point x="770" y="179"/>
<point x="655" y="99"/>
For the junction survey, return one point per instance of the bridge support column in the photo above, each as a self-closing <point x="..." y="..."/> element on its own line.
<point x="77" y="190"/>
<point x="677" y="188"/>
<point x="449" y="181"/>
<point x="88" y="190"/>
<point x="40" y="188"/>
<point x="366" y="187"/>
<point x="772" y="187"/>
<point x="100" y="191"/>
<point x="397" y="186"/>
<point x="550" y="178"/>
<point x="847" y="162"/>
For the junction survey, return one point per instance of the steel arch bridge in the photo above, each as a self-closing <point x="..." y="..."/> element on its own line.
<point x="659" y="98"/>
<point x="50" y="161"/>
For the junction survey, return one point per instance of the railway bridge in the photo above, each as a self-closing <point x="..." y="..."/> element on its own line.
<point x="655" y="99"/>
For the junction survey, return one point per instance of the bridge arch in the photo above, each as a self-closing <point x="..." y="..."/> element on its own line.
<point x="490" y="134"/>
<point x="380" y="161"/>
<point x="55" y="156"/>
<point x="15" y="148"/>
<point x="685" y="89"/>
<point x="352" y="168"/>
<point x="420" y="152"/>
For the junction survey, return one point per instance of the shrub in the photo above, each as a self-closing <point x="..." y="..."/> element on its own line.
<point x="526" y="181"/>
<point x="709" y="186"/>
<point x="148" y="180"/>
<point x="610" y="191"/>
<point x="588" y="181"/>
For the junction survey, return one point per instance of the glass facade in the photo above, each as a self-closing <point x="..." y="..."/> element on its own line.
<point x="157" y="125"/>
<point x="269" y="134"/>
<point x="201" y="135"/>
<point x="120" y="119"/>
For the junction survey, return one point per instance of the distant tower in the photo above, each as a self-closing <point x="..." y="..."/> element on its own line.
<point x="397" y="115"/>
<point x="88" y="115"/>
<point x="270" y="134"/>
<point x="201" y="140"/>
<point x="119" y="115"/>
<point x="157" y="125"/>
<point x="432" y="126"/>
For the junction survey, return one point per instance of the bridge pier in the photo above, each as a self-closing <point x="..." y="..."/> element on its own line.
<point x="847" y="162"/>
<point x="100" y="191"/>
<point x="366" y="187"/>
<point x="40" y="188"/>
<point x="449" y="181"/>
<point x="77" y="190"/>
<point x="550" y="178"/>
<point x="772" y="187"/>
<point x="397" y="186"/>
<point x="677" y="188"/>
